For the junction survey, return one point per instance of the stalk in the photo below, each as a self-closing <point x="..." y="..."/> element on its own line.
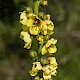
<point x="36" y="7"/>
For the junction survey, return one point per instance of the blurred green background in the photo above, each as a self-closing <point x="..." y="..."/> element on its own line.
<point x="15" y="61"/>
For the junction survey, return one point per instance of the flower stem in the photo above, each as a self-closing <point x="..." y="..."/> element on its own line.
<point x="36" y="7"/>
<point x="40" y="48"/>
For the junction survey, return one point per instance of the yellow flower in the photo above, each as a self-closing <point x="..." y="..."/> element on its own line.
<point x="30" y="19"/>
<point x="43" y="39"/>
<point x="52" y="60"/>
<point x="36" y="67"/>
<point x="53" y="64"/>
<point x="54" y="73"/>
<point x="47" y="27"/>
<point x="27" y="39"/>
<point x="49" y="47"/>
<point x="32" y="73"/>
<point x="27" y="19"/>
<point x="30" y="22"/>
<point x="34" y="30"/>
<point x="40" y="39"/>
<point x="43" y="28"/>
<point x="24" y="19"/>
<point x="47" y="76"/>
<point x="23" y="15"/>
<point x="48" y="71"/>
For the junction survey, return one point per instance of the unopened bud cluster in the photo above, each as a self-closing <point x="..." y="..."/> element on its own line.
<point x="39" y="28"/>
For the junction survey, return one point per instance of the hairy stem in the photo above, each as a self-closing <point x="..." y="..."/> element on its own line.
<point x="36" y="7"/>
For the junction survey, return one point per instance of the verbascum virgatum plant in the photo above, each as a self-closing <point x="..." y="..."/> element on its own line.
<point x="37" y="29"/>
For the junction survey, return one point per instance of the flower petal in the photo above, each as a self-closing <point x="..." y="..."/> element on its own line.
<point x="52" y="49"/>
<point x="34" y="30"/>
<point x="44" y="50"/>
<point x="46" y="76"/>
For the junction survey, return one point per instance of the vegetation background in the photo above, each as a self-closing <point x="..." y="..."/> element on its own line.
<point x="15" y="61"/>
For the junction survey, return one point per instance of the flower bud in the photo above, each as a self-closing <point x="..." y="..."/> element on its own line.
<point x="44" y="3"/>
<point x="44" y="61"/>
<point x="41" y="15"/>
<point x="33" y="54"/>
<point x="37" y="78"/>
<point x="44" y="16"/>
<point x="28" y="9"/>
<point x="47" y="37"/>
<point x="48" y="16"/>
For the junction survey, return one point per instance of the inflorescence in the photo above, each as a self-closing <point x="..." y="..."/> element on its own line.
<point x="36" y="34"/>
